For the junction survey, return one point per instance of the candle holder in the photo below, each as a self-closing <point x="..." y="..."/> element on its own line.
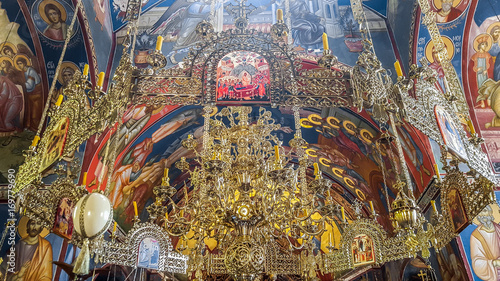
<point x="328" y="59"/>
<point x="279" y="30"/>
<point x="157" y="60"/>
<point x="205" y="29"/>
<point x="136" y="220"/>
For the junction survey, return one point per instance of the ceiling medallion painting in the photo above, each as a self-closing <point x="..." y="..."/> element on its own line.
<point x="250" y="206"/>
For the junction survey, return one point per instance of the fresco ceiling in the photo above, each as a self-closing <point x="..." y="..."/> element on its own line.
<point x="342" y="141"/>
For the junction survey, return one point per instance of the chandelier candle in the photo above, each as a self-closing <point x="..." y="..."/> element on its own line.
<point x="159" y="43"/>
<point x="433" y="203"/>
<point x="436" y="169"/>
<point x="86" y="70"/>
<point x="59" y="100"/>
<point x="35" y="141"/>
<point x="399" y="71"/>
<point x="325" y="41"/>
<point x="279" y="14"/>
<point x="100" y="80"/>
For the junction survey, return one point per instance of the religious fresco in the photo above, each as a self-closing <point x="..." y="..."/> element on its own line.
<point x="29" y="51"/>
<point x="243" y="77"/>
<point x="481" y="241"/>
<point x="140" y="164"/>
<point x="52" y="19"/>
<point x="482" y="75"/>
<point x="22" y="89"/>
<point x="35" y="251"/>
<point x="450" y="17"/>
<point x="346" y="143"/>
<point x="176" y="21"/>
<point x="345" y="149"/>
<point x="448" y="10"/>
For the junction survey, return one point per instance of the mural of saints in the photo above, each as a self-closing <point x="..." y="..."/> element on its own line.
<point x="21" y="93"/>
<point x="33" y="254"/>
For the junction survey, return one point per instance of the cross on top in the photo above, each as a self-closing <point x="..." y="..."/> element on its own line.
<point x="240" y="12"/>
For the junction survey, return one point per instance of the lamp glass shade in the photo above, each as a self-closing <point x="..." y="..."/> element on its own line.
<point x="92" y="215"/>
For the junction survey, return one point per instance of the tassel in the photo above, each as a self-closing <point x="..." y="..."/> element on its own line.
<point x="82" y="261"/>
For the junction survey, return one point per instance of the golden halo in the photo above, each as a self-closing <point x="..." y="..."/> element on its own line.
<point x="495" y="24"/>
<point x="489" y="40"/>
<point x="22" y="228"/>
<point x="345" y="122"/>
<point x="349" y="182"/>
<point x="449" y="47"/>
<point x="311" y="118"/>
<point x="337" y="171"/>
<point x="325" y="162"/>
<point x="8" y="44"/>
<point x="496" y="214"/>
<point x="6" y="58"/>
<point x="41" y="10"/>
<point x="305" y="123"/>
<point x="64" y="65"/>
<point x="17" y="57"/>
<point x="333" y="125"/>
<point x="363" y="138"/>
<point x="360" y="195"/>
<point x="437" y="3"/>
<point x="311" y="152"/>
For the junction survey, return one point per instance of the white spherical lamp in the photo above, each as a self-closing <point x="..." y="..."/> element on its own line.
<point x="92" y="216"/>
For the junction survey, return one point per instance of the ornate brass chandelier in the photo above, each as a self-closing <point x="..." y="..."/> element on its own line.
<point x="246" y="192"/>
